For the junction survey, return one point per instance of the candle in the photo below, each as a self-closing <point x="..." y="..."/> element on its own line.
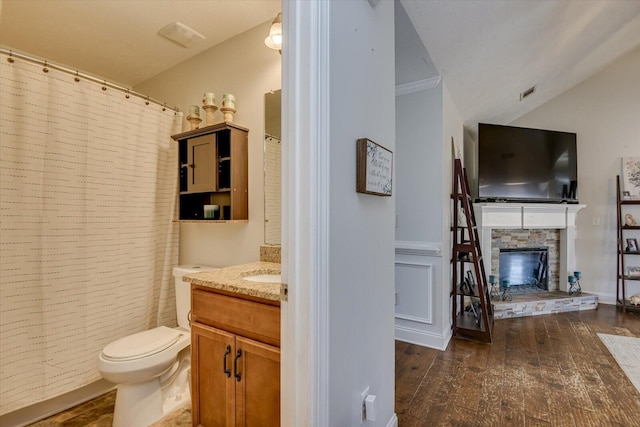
<point x="209" y="98"/>
<point x="492" y="279"/>
<point x="577" y="274"/>
<point x="194" y="111"/>
<point x="572" y="279"/>
<point x="228" y="101"/>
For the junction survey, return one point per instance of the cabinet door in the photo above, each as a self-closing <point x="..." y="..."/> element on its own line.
<point x="258" y="388"/>
<point x="212" y="389"/>
<point x="201" y="163"/>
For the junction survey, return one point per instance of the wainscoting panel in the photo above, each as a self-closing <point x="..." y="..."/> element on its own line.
<point x="422" y="308"/>
<point x="414" y="291"/>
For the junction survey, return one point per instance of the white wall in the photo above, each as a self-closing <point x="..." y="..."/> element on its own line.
<point x="426" y="121"/>
<point x="418" y="167"/>
<point x="361" y="226"/>
<point x="244" y="66"/>
<point x="419" y="179"/>
<point x="604" y="111"/>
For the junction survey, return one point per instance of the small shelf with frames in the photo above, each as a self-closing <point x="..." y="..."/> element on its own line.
<point x="624" y="250"/>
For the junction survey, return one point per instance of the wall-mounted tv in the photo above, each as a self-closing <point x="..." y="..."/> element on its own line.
<point x="526" y="165"/>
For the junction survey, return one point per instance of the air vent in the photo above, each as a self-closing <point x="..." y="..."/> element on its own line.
<point x="527" y="92"/>
<point x="179" y="33"/>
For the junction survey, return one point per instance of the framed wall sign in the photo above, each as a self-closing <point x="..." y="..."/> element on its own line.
<point x="374" y="168"/>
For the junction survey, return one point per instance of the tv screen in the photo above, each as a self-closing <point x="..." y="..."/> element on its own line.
<point x="520" y="164"/>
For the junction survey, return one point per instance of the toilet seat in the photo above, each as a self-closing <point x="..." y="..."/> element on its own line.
<point x="142" y="344"/>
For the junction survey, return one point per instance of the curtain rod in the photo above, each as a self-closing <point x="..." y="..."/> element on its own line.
<point x="78" y="74"/>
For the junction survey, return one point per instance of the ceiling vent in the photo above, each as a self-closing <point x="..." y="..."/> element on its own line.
<point x="527" y="92"/>
<point x="179" y="33"/>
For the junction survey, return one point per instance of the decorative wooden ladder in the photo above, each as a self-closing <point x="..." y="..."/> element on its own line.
<point x="472" y="308"/>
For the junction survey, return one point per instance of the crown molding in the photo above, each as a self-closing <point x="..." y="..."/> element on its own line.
<point x="417" y="86"/>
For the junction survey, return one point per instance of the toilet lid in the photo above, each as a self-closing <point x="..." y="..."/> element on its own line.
<point x="142" y="344"/>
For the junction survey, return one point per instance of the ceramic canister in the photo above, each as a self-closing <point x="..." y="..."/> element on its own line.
<point x="228" y="101"/>
<point x="209" y="98"/>
<point x="194" y="111"/>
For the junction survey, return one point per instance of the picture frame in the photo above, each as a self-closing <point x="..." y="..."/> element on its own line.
<point x="631" y="177"/>
<point x="633" y="271"/>
<point x="374" y="168"/>
<point x="629" y="220"/>
<point x="626" y="195"/>
<point x="470" y="278"/>
<point x="632" y="245"/>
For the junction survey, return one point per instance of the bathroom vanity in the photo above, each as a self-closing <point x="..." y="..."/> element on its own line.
<point x="235" y="346"/>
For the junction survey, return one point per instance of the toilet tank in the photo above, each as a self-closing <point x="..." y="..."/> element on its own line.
<point x="183" y="292"/>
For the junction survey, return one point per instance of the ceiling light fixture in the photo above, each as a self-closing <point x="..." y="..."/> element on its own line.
<point x="179" y="33"/>
<point x="274" y="40"/>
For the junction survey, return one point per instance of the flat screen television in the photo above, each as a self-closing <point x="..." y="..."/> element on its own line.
<point x="526" y="165"/>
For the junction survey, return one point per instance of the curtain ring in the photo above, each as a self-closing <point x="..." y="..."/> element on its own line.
<point x="10" y="59"/>
<point x="127" y="95"/>
<point x="77" y="77"/>
<point x="104" y="86"/>
<point x="45" y="69"/>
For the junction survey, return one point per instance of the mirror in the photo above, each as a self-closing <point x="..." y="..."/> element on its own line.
<point x="272" y="156"/>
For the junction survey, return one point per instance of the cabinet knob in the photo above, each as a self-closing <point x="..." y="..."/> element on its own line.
<point x="192" y="165"/>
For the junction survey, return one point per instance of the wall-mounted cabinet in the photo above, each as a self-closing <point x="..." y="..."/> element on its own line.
<point x="213" y="164"/>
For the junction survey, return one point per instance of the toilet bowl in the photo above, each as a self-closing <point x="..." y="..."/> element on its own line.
<point x="152" y="368"/>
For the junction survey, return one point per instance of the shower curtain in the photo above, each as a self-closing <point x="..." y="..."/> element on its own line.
<point x="88" y="183"/>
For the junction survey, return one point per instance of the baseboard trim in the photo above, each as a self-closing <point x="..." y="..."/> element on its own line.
<point x="393" y="422"/>
<point x="422" y="338"/>
<point x="47" y="408"/>
<point x="605" y="297"/>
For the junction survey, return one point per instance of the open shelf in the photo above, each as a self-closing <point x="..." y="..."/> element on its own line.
<point x="625" y="233"/>
<point x="468" y="269"/>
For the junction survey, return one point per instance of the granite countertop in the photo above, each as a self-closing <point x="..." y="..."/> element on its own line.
<point x="229" y="279"/>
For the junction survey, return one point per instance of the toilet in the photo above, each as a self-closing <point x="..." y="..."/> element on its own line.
<point x="152" y="368"/>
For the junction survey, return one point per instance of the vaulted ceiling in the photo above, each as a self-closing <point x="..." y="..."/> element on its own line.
<point x="488" y="51"/>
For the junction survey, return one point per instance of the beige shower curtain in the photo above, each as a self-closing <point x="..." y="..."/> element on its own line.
<point x="88" y="180"/>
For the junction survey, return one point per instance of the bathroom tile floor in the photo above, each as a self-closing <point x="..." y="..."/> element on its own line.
<point x="99" y="413"/>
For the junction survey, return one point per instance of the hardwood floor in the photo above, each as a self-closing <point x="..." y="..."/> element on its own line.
<point x="549" y="370"/>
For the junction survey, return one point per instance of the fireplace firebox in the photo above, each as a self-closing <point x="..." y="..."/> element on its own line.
<point x="526" y="269"/>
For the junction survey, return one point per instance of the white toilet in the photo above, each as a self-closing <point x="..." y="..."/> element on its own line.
<point x="152" y="368"/>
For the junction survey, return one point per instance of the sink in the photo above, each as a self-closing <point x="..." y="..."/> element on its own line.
<point x="263" y="278"/>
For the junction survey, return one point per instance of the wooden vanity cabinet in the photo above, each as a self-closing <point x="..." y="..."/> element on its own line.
<point x="235" y="360"/>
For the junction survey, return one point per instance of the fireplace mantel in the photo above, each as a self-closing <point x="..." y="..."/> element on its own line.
<point x="531" y="215"/>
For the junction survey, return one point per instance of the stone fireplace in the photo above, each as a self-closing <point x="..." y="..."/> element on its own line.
<point x="526" y="225"/>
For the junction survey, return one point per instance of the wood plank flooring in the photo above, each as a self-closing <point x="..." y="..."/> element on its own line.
<point x="549" y="370"/>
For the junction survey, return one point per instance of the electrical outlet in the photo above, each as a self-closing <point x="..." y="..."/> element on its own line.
<point x="363" y="408"/>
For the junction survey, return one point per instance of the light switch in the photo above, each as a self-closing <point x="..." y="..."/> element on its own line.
<point x="370" y="407"/>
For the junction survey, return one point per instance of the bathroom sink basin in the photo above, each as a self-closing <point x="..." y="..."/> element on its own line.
<point x="263" y="278"/>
